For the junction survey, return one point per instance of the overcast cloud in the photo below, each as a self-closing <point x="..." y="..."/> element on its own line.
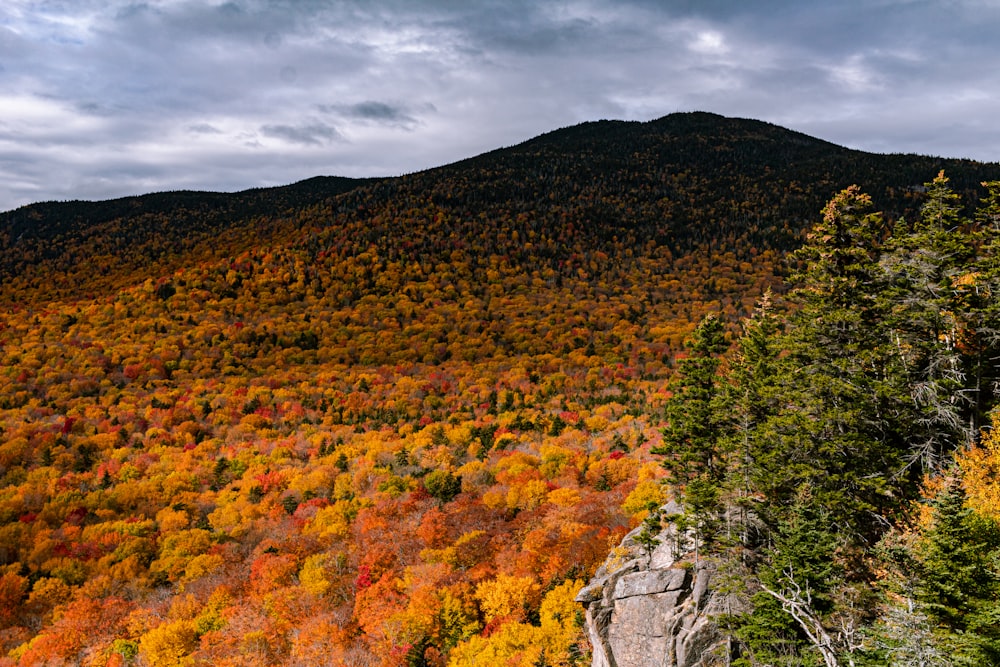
<point x="100" y="98"/>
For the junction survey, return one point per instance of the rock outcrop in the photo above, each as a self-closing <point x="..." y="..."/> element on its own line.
<point x="649" y="608"/>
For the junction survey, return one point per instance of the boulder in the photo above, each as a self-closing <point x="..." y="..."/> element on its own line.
<point x="658" y="608"/>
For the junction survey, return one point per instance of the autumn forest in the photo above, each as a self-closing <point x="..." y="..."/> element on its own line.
<point x="401" y="421"/>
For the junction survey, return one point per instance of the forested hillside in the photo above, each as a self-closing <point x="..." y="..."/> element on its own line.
<point x="400" y="421"/>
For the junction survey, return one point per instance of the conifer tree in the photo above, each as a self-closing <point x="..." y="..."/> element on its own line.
<point x="796" y="583"/>
<point x="886" y="366"/>
<point x="838" y="429"/>
<point x="959" y="582"/>
<point x="980" y="287"/>
<point x="925" y="266"/>
<point x="691" y="440"/>
<point x="752" y="398"/>
<point x="906" y="639"/>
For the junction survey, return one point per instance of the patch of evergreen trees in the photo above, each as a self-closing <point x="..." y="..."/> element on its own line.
<point x="814" y="441"/>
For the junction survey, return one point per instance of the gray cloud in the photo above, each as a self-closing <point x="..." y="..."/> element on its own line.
<point x="203" y="128"/>
<point x="314" y="134"/>
<point x="102" y="98"/>
<point x="379" y="113"/>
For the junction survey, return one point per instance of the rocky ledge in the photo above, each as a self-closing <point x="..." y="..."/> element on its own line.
<point x="656" y="607"/>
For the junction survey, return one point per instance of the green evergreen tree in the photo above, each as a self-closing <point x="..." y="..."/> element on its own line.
<point x="825" y="426"/>
<point x="752" y="397"/>
<point x="959" y="583"/>
<point x="980" y="289"/>
<point x="928" y="318"/>
<point x="837" y="429"/>
<point x="692" y="438"/>
<point x="903" y="635"/>
<point x="796" y="581"/>
<point x="702" y="506"/>
<point x="651" y="527"/>
<point x="443" y="485"/>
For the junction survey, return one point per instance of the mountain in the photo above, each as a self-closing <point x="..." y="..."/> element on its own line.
<point x="152" y="233"/>
<point x="393" y="421"/>
<point x="690" y="183"/>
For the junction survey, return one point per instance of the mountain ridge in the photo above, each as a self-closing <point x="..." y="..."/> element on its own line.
<point x="681" y="122"/>
<point x="679" y="181"/>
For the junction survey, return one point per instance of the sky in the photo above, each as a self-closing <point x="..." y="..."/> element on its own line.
<point x="108" y="98"/>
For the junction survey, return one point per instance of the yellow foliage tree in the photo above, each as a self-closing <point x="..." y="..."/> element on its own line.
<point x="314" y="576"/>
<point x="506" y="597"/>
<point x="513" y="645"/>
<point x="981" y="473"/>
<point x="179" y="549"/>
<point x="332" y="522"/>
<point x="169" y="645"/>
<point x="527" y="496"/>
<point x="456" y="621"/>
<point x="645" y="493"/>
<point x="560" y="617"/>
<point x="523" y="645"/>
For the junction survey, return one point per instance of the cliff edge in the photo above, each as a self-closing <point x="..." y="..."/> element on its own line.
<point x="657" y="605"/>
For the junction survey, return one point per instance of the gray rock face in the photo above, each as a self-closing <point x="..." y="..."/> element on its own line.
<point x="653" y="610"/>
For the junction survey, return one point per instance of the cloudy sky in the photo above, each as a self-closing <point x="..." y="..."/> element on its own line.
<point x="107" y="98"/>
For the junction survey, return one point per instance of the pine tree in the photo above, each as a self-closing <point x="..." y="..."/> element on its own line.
<point x="906" y="639"/>
<point x="702" y="505"/>
<point x="753" y="369"/>
<point x="886" y="367"/>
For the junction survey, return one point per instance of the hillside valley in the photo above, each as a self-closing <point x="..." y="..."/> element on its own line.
<point x="402" y="421"/>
